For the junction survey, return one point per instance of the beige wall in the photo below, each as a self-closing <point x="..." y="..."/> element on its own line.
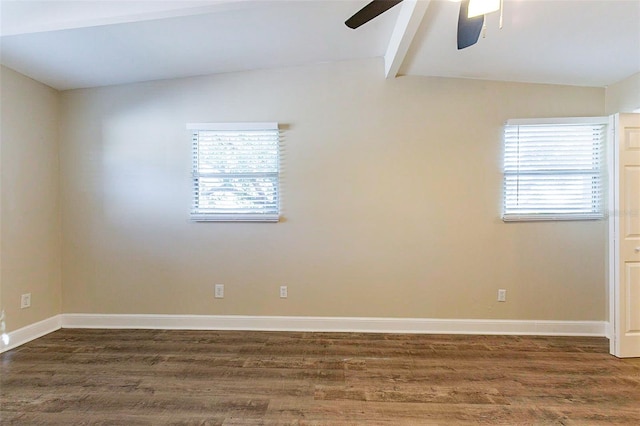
<point x="391" y="201"/>
<point x="30" y="211"/>
<point x="623" y="96"/>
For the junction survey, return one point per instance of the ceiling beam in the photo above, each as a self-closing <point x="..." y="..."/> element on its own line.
<point x="26" y="17"/>
<point x="409" y="19"/>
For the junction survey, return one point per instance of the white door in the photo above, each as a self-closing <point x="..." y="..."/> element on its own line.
<point x="625" y="238"/>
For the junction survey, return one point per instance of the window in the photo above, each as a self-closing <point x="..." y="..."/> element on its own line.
<point x="554" y="169"/>
<point x="235" y="172"/>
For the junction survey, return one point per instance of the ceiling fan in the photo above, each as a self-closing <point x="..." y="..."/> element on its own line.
<point x="470" y="19"/>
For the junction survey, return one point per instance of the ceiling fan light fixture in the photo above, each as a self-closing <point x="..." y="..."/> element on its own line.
<point x="482" y="7"/>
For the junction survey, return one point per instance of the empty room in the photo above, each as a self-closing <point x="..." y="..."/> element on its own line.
<point x="309" y="212"/>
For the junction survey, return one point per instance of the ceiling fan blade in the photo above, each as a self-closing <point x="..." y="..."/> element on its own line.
<point x="468" y="28"/>
<point x="370" y="11"/>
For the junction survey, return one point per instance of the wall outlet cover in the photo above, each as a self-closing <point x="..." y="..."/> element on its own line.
<point x="219" y="291"/>
<point x="25" y="301"/>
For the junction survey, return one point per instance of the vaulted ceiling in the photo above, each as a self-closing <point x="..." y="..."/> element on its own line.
<point x="88" y="43"/>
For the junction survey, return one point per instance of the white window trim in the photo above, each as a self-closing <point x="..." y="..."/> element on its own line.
<point x="514" y="217"/>
<point x="197" y="216"/>
<point x="556" y="120"/>
<point x="233" y="126"/>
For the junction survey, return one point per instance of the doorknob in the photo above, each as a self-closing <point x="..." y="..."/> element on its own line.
<point x="637" y="249"/>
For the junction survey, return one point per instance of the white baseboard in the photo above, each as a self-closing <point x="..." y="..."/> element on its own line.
<point x="310" y="324"/>
<point x="337" y="324"/>
<point x="608" y="330"/>
<point x="31" y="332"/>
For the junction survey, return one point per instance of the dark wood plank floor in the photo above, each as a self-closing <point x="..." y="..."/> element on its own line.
<point x="133" y="377"/>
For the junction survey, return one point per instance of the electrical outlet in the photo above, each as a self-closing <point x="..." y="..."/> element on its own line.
<point x="502" y="295"/>
<point x="25" y="301"/>
<point x="219" y="291"/>
<point x="283" y="292"/>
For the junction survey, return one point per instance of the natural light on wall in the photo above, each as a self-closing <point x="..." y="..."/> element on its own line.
<point x="3" y="335"/>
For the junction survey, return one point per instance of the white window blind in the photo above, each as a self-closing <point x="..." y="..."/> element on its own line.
<point x="554" y="170"/>
<point x="235" y="171"/>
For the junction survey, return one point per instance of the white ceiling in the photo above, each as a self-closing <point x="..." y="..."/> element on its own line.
<point x="87" y="43"/>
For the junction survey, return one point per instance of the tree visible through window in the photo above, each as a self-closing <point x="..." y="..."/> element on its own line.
<point x="235" y="172"/>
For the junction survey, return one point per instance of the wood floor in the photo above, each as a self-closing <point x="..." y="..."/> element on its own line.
<point x="131" y="377"/>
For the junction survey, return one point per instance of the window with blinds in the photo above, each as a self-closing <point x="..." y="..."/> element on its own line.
<point x="235" y="171"/>
<point x="554" y="169"/>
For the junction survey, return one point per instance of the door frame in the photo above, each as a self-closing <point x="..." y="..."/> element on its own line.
<point x="614" y="233"/>
<point x="613" y="165"/>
